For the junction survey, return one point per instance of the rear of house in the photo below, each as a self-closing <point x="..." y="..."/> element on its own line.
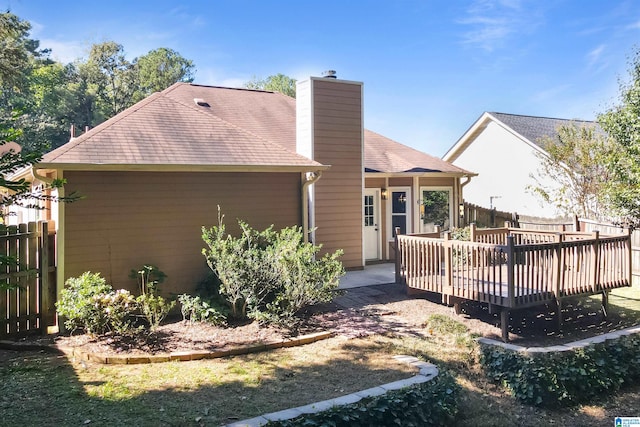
<point x="154" y="175"/>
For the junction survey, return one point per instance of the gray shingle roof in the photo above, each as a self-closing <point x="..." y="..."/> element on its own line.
<point x="535" y="128"/>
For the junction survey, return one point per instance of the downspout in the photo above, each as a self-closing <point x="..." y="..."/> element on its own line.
<point x="460" y="195"/>
<point x="310" y="178"/>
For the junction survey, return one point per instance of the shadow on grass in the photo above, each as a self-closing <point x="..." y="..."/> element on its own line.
<point x="46" y="389"/>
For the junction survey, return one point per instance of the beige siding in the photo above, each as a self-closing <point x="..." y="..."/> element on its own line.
<point x="337" y="141"/>
<point x="374" y="183"/>
<point x="401" y="182"/>
<point x="128" y="219"/>
<point x="438" y="182"/>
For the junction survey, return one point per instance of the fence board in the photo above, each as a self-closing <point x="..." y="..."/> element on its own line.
<point x="28" y="247"/>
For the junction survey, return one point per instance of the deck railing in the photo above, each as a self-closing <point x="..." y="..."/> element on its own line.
<point x="515" y="268"/>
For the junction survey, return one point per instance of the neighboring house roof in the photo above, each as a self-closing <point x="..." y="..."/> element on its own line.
<point x="226" y="127"/>
<point x="532" y="129"/>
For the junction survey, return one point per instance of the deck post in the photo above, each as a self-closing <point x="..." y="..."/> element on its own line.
<point x="605" y="302"/>
<point x="398" y="257"/>
<point x="511" y="264"/>
<point x="559" y="313"/>
<point x="596" y="261"/>
<point x="448" y="261"/>
<point x="504" y="324"/>
<point x="559" y="261"/>
<point x="472" y="231"/>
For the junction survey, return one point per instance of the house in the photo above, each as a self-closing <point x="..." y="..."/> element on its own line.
<point x="154" y="175"/>
<point x="503" y="149"/>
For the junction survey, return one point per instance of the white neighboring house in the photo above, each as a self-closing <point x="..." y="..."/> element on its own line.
<point x="502" y="149"/>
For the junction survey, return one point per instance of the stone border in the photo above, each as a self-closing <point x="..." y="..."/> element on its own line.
<point x="427" y="372"/>
<point x="108" y="359"/>
<point x="563" y="347"/>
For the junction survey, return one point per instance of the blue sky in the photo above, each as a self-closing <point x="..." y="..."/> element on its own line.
<point x="430" y="67"/>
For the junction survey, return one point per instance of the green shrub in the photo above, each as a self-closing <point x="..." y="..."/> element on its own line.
<point x="558" y="379"/>
<point x="153" y="307"/>
<point x="432" y="403"/>
<point x="89" y="303"/>
<point x="197" y="309"/>
<point x="76" y="302"/>
<point x="269" y="275"/>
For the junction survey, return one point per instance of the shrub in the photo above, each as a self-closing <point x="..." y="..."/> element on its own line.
<point x="76" y="302"/>
<point x="197" y="309"/>
<point x="88" y="302"/>
<point x="558" y="379"/>
<point x="432" y="403"/>
<point x="269" y="275"/>
<point x="153" y="307"/>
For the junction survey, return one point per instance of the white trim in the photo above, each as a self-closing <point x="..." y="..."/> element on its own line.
<point x="377" y="201"/>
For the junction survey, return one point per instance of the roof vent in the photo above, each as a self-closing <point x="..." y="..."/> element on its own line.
<point x="330" y="74"/>
<point x="201" y="102"/>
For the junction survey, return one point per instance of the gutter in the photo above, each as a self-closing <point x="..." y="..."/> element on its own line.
<point x="309" y="178"/>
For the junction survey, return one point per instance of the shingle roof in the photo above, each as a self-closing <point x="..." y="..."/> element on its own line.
<point x="535" y="128"/>
<point x="382" y="154"/>
<point x="233" y="127"/>
<point x="164" y="131"/>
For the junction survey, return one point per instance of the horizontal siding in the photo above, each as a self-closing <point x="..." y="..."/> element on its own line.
<point x="374" y="182"/>
<point x="400" y="182"/>
<point x="129" y="219"/>
<point x="437" y="182"/>
<point x="337" y="114"/>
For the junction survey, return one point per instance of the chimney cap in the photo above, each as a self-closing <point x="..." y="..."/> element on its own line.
<point x="330" y="74"/>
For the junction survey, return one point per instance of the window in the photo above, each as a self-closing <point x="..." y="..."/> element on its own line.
<point x="435" y="209"/>
<point x="399" y="212"/>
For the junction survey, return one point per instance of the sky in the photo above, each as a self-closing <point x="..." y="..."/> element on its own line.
<point x="430" y="67"/>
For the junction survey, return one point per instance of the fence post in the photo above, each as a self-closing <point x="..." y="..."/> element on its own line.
<point x="398" y="256"/>
<point x="630" y="255"/>
<point x="45" y="302"/>
<point x="448" y="261"/>
<point x="472" y="231"/>
<point x="511" y="265"/>
<point x="576" y="223"/>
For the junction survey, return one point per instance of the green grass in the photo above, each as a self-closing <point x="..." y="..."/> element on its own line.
<point x="44" y="389"/>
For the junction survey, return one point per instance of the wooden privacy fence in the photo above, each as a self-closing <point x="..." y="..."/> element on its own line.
<point x="514" y="268"/>
<point x="27" y="277"/>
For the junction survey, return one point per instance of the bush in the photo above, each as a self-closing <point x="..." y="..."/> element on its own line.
<point x="153" y="307"/>
<point x="89" y="303"/>
<point x="269" y="275"/>
<point x="432" y="403"/>
<point x="197" y="309"/>
<point x="558" y="379"/>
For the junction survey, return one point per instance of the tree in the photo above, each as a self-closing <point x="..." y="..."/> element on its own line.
<point x="15" y="66"/>
<point x="114" y="77"/>
<point x="275" y="83"/>
<point x="622" y="123"/>
<point x="160" y="68"/>
<point x="576" y="162"/>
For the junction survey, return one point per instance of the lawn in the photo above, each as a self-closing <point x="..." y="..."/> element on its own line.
<point x="45" y="389"/>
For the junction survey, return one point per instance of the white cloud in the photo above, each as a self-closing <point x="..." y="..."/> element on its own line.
<point x="65" y="51"/>
<point x="595" y="58"/>
<point x="493" y="22"/>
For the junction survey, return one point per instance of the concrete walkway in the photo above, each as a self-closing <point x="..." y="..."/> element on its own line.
<point x="377" y="274"/>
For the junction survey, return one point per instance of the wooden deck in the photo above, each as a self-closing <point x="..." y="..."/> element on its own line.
<point x="511" y="269"/>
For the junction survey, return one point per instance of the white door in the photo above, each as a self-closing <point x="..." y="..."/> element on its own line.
<point x="371" y="224"/>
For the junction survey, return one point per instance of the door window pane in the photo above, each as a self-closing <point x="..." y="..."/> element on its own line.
<point x="399" y="202"/>
<point x="399" y="221"/>
<point x="368" y="211"/>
